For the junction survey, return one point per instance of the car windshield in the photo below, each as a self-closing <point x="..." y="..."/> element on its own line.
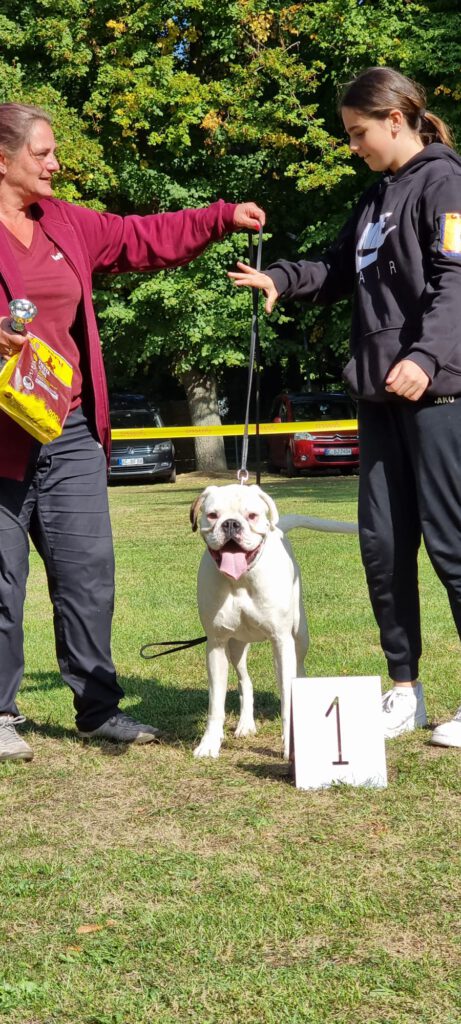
<point x="323" y="409"/>
<point x="123" y="419"/>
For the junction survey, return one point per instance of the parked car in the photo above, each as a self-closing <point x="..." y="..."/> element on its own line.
<point x="139" y="458"/>
<point x="335" y="448"/>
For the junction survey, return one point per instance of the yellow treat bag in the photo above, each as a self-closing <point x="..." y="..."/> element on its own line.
<point x="35" y="389"/>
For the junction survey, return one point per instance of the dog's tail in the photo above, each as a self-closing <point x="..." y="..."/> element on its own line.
<point x="287" y="523"/>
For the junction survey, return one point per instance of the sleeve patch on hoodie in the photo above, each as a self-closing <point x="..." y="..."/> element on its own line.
<point x="450" y="234"/>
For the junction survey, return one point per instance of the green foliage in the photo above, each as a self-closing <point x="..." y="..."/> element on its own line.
<point x="162" y="105"/>
<point x="193" y="318"/>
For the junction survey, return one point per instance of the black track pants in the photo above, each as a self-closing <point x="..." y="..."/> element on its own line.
<point x="410" y="484"/>
<point x="63" y="505"/>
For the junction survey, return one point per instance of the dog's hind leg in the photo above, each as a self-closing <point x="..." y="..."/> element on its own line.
<point x="218" y="669"/>
<point x="238" y="655"/>
<point x="301" y="644"/>
<point x="285" y="667"/>
<point x="300" y="629"/>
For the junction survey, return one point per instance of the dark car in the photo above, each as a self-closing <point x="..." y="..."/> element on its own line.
<point x="334" y="447"/>
<point x="137" y="458"/>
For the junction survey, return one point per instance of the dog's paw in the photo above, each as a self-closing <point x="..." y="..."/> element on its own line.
<point x="246" y="726"/>
<point x="209" y="746"/>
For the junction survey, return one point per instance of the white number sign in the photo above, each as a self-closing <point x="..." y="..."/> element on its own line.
<point x="338" y="733"/>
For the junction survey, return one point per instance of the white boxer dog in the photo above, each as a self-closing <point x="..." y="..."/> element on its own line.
<point x="249" y="589"/>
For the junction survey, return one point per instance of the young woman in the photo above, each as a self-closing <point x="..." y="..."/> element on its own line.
<point x="57" y="492"/>
<point x="399" y="256"/>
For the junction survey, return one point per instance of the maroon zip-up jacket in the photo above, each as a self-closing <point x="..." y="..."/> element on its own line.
<point x="95" y="243"/>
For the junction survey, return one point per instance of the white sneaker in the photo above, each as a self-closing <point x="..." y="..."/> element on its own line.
<point x="449" y="733"/>
<point x="403" y="710"/>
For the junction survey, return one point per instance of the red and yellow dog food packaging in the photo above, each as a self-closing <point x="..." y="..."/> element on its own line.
<point x="35" y="389"/>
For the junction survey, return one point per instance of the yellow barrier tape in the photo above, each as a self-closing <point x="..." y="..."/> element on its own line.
<point x="236" y="429"/>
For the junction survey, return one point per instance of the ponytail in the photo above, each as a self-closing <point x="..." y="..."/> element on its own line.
<point x="433" y="129"/>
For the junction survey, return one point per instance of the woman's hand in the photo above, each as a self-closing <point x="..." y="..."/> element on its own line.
<point x="251" y="278"/>
<point x="249" y="216"/>
<point x="10" y="341"/>
<point x="408" y="380"/>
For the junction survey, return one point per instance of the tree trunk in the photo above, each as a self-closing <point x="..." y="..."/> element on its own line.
<point x="202" y="398"/>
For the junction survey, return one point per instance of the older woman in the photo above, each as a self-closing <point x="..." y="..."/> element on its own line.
<point x="57" y="492"/>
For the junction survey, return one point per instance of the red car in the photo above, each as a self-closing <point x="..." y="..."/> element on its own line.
<point x="317" y="447"/>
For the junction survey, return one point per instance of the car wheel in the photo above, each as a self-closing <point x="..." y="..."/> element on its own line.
<point x="172" y="476"/>
<point x="290" y="468"/>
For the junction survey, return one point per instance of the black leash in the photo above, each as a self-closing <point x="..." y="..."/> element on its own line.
<point x="182" y="646"/>
<point x="242" y="474"/>
<point x="253" y="363"/>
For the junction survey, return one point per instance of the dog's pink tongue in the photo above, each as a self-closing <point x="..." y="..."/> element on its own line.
<point x="233" y="563"/>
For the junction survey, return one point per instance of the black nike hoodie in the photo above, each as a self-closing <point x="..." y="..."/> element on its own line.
<point x="399" y="255"/>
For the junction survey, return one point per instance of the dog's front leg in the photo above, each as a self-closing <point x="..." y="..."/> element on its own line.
<point x="285" y="668"/>
<point x="218" y="669"/>
<point x="238" y="655"/>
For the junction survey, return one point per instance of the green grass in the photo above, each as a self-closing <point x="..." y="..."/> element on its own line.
<point x="221" y="894"/>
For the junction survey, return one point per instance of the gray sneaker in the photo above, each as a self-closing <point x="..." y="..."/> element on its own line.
<point x="12" y="746"/>
<point x="122" y="729"/>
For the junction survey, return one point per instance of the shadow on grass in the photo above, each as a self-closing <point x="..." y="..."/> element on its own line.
<point x="179" y="713"/>
<point x="276" y="771"/>
<point x="50" y="730"/>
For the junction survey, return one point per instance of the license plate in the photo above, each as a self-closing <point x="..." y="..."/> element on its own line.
<point x="130" y="462"/>
<point x="338" y="451"/>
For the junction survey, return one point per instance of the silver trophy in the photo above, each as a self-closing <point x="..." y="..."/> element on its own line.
<point x="22" y="312"/>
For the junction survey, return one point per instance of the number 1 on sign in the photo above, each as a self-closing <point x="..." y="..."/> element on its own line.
<point x="335" y="704"/>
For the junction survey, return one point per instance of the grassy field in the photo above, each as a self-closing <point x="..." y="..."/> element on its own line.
<point x="140" y="885"/>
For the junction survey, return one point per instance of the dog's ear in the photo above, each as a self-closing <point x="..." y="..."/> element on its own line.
<point x="195" y="510"/>
<point x="196" y="507"/>
<point x="273" y="515"/>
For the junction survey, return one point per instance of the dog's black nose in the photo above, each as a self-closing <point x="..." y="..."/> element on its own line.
<point x="231" y="526"/>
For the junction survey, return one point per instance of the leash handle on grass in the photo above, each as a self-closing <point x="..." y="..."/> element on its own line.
<point x="242" y="474"/>
<point x="173" y="645"/>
